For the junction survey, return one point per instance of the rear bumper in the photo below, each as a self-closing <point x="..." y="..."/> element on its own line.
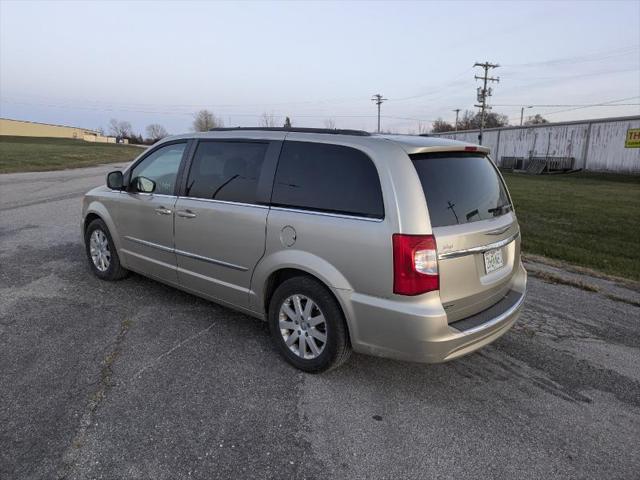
<point x="418" y="330"/>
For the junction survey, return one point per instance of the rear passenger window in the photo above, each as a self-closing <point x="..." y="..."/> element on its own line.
<point x="226" y="171"/>
<point x="328" y="178"/>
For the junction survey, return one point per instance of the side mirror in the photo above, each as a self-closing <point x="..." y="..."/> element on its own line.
<point x="115" y="180"/>
<point x="144" y="185"/>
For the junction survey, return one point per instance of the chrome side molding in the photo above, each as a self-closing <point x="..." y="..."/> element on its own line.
<point x="187" y="254"/>
<point x="149" y="244"/>
<point x="211" y="260"/>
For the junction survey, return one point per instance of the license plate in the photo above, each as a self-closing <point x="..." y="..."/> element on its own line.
<point x="493" y="260"/>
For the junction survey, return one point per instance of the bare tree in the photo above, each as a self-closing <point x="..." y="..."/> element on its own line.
<point x="287" y="123"/>
<point x="120" y="129"/>
<point x="471" y="121"/>
<point x="536" y="120"/>
<point x="268" y="120"/>
<point x="330" y="123"/>
<point x="155" y="132"/>
<point x="204" y="121"/>
<point x="422" y="128"/>
<point x="441" y="126"/>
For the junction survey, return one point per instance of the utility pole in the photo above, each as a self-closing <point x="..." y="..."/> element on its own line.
<point x="377" y="98"/>
<point x="484" y="92"/>
<point x="522" y="113"/>
<point x="457" y="110"/>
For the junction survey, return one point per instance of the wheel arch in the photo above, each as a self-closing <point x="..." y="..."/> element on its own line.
<point x="280" y="266"/>
<point x="279" y="276"/>
<point x="96" y="210"/>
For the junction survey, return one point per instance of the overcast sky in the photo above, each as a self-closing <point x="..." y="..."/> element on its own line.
<point x="158" y="62"/>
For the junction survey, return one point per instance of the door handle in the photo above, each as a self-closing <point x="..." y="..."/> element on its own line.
<point x="163" y="211"/>
<point x="186" y="214"/>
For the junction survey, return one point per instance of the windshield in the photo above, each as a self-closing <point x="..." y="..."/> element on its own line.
<point x="460" y="187"/>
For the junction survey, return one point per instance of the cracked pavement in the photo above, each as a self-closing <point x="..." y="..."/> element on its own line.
<point x="134" y="379"/>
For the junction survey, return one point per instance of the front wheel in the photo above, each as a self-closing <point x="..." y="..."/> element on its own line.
<point x="308" y="326"/>
<point x="101" y="252"/>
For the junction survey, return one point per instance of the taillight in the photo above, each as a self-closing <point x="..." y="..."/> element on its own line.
<point x="415" y="264"/>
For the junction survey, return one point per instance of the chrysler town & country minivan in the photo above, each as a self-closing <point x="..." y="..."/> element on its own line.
<point x="398" y="246"/>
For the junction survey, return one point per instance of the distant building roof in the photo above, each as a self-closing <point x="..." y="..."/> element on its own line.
<point x="50" y="124"/>
<point x="540" y="125"/>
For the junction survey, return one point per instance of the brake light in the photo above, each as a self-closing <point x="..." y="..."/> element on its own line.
<point x="470" y="149"/>
<point x="415" y="264"/>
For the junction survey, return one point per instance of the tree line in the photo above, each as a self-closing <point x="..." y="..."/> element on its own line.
<point x="205" y="120"/>
<point x="470" y="120"/>
<point x="122" y="129"/>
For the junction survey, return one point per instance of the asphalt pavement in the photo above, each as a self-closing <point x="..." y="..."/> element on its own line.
<point x="134" y="379"/>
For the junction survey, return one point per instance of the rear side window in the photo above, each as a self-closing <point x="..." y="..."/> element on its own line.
<point x="327" y="178"/>
<point x="226" y="171"/>
<point x="460" y="187"/>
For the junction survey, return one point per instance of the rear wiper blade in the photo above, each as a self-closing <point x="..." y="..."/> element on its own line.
<point x="500" y="208"/>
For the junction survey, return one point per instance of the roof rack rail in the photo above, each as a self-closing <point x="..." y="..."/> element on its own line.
<point x="334" y="131"/>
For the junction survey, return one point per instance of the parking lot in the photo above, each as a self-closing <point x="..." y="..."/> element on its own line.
<point x="137" y="380"/>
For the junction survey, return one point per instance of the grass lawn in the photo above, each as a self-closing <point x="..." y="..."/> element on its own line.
<point x="587" y="219"/>
<point x="31" y="154"/>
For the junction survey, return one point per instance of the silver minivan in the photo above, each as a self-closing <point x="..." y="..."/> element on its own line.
<point x="399" y="246"/>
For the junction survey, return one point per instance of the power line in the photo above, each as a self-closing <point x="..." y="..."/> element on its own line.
<point x="85" y="101"/>
<point x="484" y="92"/>
<point x="242" y="114"/>
<point x="559" y="78"/>
<point x="611" y="103"/>
<point x="446" y="85"/>
<point x="585" y="105"/>
<point x="579" y="58"/>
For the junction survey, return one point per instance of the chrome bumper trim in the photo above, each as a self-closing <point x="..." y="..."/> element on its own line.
<point x="481" y="249"/>
<point x="500" y="318"/>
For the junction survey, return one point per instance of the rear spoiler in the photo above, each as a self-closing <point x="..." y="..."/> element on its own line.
<point x="451" y="148"/>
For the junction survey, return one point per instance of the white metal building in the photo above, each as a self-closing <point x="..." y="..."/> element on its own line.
<point x="598" y="145"/>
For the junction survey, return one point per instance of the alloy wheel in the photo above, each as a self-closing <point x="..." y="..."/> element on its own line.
<point x="99" y="250"/>
<point x="302" y="326"/>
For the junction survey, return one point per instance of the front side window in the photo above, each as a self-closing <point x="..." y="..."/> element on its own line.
<point x="161" y="167"/>
<point x="460" y="187"/>
<point x="327" y="178"/>
<point x="226" y="171"/>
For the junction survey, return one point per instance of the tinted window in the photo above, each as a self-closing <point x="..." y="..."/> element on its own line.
<point x="226" y="171"/>
<point x="460" y="188"/>
<point x="161" y="167"/>
<point x="330" y="178"/>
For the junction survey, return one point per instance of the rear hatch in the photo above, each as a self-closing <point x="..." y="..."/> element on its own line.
<point x="475" y="228"/>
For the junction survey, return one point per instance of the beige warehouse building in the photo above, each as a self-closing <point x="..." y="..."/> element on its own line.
<point x="22" y="128"/>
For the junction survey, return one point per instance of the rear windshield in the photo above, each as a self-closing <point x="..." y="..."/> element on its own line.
<point x="460" y="187"/>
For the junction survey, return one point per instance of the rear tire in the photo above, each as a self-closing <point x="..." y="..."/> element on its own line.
<point x="308" y="326"/>
<point x="101" y="252"/>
